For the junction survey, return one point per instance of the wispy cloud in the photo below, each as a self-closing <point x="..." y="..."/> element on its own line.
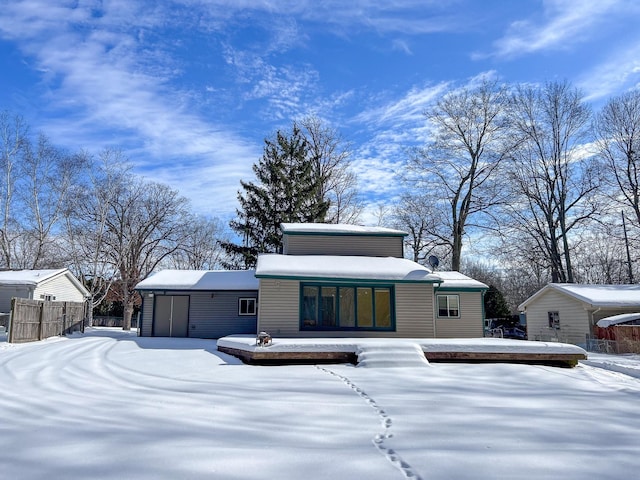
<point x="401" y="46"/>
<point x="101" y="76"/>
<point x="618" y="73"/>
<point x="408" y="109"/>
<point x="397" y="126"/>
<point x="286" y="88"/>
<point x="563" y="24"/>
<point x="413" y="17"/>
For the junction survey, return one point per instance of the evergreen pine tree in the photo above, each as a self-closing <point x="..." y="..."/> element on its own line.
<point x="285" y="191"/>
<point x="495" y="306"/>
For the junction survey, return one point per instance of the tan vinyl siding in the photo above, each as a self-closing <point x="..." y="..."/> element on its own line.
<point x="279" y="305"/>
<point x="414" y="310"/>
<point x="574" y="319"/>
<point x="470" y="322"/>
<point x="372" y="246"/>
<point x="59" y="287"/>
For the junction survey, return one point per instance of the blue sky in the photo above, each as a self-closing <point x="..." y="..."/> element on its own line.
<point x="189" y="89"/>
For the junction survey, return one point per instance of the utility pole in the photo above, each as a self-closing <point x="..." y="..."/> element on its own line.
<point x="626" y="244"/>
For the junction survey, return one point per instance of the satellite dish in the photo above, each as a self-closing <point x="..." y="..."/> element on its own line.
<point x="433" y="261"/>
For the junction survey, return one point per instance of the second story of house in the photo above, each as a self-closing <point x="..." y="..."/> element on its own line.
<point x="340" y="239"/>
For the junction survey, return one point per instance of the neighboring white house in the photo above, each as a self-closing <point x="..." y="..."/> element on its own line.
<point x="568" y="311"/>
<point x="58" y="285"/>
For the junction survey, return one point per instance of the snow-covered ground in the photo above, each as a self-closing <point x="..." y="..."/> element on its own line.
<point x="108" y="404"/>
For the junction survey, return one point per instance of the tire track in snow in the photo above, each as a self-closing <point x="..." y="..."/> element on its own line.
<point x="379" y="439"/>
<point x="612" y="377"/>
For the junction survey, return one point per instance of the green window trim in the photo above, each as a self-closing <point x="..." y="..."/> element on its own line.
<point x="448" y="305"/>
<point x="343" y="307"/>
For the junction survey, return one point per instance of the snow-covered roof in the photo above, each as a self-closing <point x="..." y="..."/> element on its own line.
<point x="28" y="277"/>
<point x="200" y="280"/>
<point x="457" y="280"/>
<point x="594" y="295"/>
<point x="617" y="319"/>
<point x="342" y="267"/>
<point x="337" y="229"/>
<point x="35" y="277"/>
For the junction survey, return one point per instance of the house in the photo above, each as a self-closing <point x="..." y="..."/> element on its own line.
<point x="346" y="280"/>
<point x="59" y="285"/>
<point x="569" y="311"/>
<point x="196" y="303"/>
<point x="330" y="281"/>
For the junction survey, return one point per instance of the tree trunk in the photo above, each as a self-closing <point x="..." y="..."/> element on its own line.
<point x="456" y="254"/>
<point x="90" y="312"/>
<point x="128" y="313"/>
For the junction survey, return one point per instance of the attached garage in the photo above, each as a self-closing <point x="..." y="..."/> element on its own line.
<point x="199" y="304"/>
<point x="171" y="316"/>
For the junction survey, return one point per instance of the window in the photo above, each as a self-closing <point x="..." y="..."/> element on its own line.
<point x="554" y="320"/>
<point x="246" y="306"/>
<point x="310" y="306"/>
<point x="448" y="306"/>
<point x="337" y="307"/>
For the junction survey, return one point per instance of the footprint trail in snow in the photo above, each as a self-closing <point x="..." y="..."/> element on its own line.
<point x="379" y="439"/>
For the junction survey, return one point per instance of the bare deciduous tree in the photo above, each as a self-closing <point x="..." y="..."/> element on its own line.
<point x="200" y="247"/>
<point x="617" y="130"/>
<point x="415" y="214"/>
<point x="86" y="215"/>
<point x="330" y="156"/>
<point x="553" y="181"/>
<point x="36" y="179"/>
<point x="144" y="227"/>
<point x="47" y="175"/>
<point x="13" y="135"/>
<point x="601" y="259"/>
<point x="458" y="168"/>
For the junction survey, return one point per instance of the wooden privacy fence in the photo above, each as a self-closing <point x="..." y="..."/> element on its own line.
<point x="627" y="337"/>
<point x="33" y="320"/>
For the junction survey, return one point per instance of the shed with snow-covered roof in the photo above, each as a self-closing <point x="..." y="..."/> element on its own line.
<point x="569" y="311"/>
<point x="51" y="284"/>
<point x="198" y="303"/>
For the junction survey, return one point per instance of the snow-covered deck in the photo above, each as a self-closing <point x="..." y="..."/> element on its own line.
<point x="283" y="350"/>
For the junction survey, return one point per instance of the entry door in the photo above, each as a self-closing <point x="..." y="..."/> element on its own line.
<point x="171" y="316"/>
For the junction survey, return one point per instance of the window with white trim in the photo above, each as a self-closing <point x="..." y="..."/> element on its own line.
<point x="247" y="306"/>
<point x="448" y="306"/>
<point x="554" y="320"/>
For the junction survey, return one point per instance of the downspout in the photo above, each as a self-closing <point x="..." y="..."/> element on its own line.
<point x="436" y="286"/>
<point x="141" y="315"/>
<point x="484" y="313"/>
